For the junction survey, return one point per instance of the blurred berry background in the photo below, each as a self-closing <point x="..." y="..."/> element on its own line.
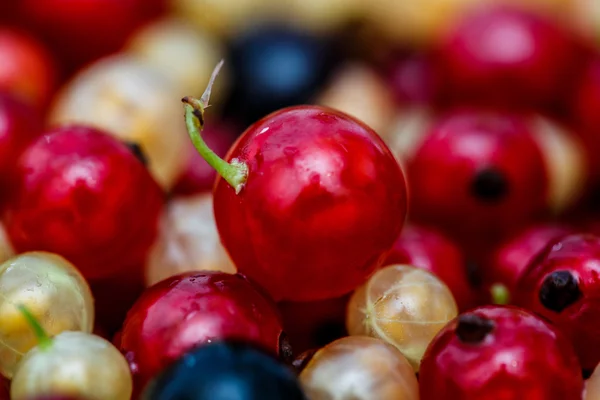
<point x="492" y="107"/>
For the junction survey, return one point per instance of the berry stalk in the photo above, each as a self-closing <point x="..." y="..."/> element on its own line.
<point x="234" y="173"/>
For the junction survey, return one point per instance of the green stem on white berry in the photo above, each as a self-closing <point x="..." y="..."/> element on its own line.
<point x="44" y="341"/>
<point x="235" y="173"/>
<point x="500" y="294"/>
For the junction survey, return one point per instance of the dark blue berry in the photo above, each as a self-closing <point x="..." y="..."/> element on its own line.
<point x="273" y="67"/>
<point x="226" y="371"/>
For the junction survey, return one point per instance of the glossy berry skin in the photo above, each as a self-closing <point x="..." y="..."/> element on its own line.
<point x="199" y="176"/>
<point x="500" y="353"/>
<point x="81" y="31"/>
<point x="190" y="309"/>
<point x="84" y="195"/>
<point x="323" y="203"/>
<point x="28" y="70"/>
<point x="226" y="370"/>
<point x="478" y="176"/>
<point x="562" y="284"/>
<point x="512" y="257"/>
<point x="433" y="251"/>
<point x="19" y="125"/>
<point x="507" y="57"/>
<point x="273" y="67"/>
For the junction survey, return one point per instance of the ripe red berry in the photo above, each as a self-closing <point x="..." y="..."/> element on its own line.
<point x="27" y="70"/>
<point x="562" y="284"/>
<point x="500" y="353"/>
<point x="19" y="125"/>
<point x="84" y="195"/>
<point x="433" y="251"/>
<point x="189" y="309"/>
<point x="482" y="176"/>
<point x="513" y="256"/>
<point x="80" y="31"/>
<point x="309" y="201"/>
<point x="507" y="57"/>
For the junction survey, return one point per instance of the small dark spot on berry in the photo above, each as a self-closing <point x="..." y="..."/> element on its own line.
<point x="489" y="185"/>
<point x="138" y="152"/>
<point x="472" y="328"/>
<point x="559" y="290"/>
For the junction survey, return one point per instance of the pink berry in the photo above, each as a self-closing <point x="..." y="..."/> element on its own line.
<point x="500" y="353"/>
<point x="84" y="195"/>
<point x="192" y="308"/>
<point x="562" y="285"/>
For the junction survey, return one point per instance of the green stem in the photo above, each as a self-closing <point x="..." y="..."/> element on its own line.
<point x="234" y="173"/>
<point x="44" y="341"/>
<point x="500" y="294"/>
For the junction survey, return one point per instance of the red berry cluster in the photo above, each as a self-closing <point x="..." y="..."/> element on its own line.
<point x="307" y="199"/>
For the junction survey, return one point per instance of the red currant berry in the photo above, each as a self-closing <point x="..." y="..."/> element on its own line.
<point x="308" y="202"/>
<point x="433" y="251"/>
<point x="19" y="125"/>
<point x="513" y="256"/>
<point x="561" y="284"/>
<point x="500" y="353"/>
<point x="84" y="195"/>
<point x="507" y="57"/>
<point x="190" y="309"/>
<point x="27" y="70"/>
<point x="81" y="31"/>
<point x="482" y="176"/>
